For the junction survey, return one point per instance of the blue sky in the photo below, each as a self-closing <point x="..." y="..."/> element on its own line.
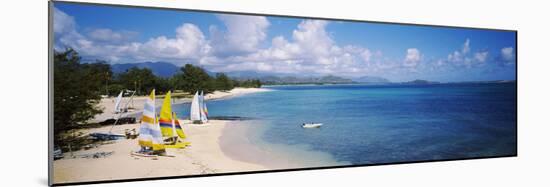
<point x="304" y="47"/>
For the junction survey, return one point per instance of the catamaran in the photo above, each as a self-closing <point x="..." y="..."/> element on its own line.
<point x="121" y="107"/>
<point x="199" y="112"/>
<point x="150" y="137"/>
<point x="117" y="103"/>
<point x="157" y="135"/>
<point x="118" y="118"/>
<point x="169" y="125"/>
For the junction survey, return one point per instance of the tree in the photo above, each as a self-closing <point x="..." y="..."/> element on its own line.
<point x="250" y="83"/>
<point x="192" y="79"/>
<point x="77" y="90"/>
<point x="163" y="85"/>
<point x="223" y="82"/>
<point x="140" y="80"/>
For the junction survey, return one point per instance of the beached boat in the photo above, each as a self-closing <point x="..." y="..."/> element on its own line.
<point x="57" y="153"/>
<point x="107" y="136"/>
<point x="169" y="125"/>
<point x="157" y="135"/>
<point x="118" y="118"/>
<point x="118" y="100"/>
<point x="195" y="114"/>
<point x="198" y="112"/>
<point x="204" y="110"/>
<point x="150" y="137"/>
<point x="311" y="125"/>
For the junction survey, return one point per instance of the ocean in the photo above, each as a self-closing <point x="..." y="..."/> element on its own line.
<point x="371" y="124"/>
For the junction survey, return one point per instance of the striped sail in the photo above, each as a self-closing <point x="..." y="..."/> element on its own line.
<point x="203" y="110"/>
<point x="166" y="119"/>
<point x="178" y="128"/>
<point x="149" y="131"/>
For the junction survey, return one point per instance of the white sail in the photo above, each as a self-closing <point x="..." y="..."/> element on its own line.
<point x="204" y="117"/>
<point x="117" y="102"/>
<point x="195" y="108"/>
<point x="149" y="132"/>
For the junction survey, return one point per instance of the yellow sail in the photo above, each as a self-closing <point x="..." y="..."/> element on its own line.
<point x="165" y="121"/>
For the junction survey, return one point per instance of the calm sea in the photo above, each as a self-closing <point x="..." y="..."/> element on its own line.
<point x="380" y="124"/>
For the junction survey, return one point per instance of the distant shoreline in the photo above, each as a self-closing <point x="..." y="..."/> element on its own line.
<point x="108" y="104"/>
<point x="389" y="83"/>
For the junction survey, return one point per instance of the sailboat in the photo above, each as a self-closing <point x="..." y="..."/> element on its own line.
<point x="117" y="116"/>
<point x="195" y="114"/>
<point x="150" y="136"/>
<point x="169" y="125"/>
<point x="204" y="111"/>
<point x="117" y="103"/>
<point x="199" y="113"/>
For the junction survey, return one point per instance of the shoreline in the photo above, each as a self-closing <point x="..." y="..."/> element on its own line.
<point x="108" y="104"/>
<point x="204" y="156"/>
<point x="254" y="149"/>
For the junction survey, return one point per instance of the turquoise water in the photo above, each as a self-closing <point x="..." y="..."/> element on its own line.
<point x="383" y="124"/>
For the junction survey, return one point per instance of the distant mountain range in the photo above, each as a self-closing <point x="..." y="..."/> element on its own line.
<point x="279" y="78"/>
<point x="329" y="79"/>
<point x="167" y="69"/>
<point x="372" y="80"/>
<point x="419" y="81"/>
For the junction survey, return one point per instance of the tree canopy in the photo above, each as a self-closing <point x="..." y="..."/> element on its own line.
<point x="77" y="89"/>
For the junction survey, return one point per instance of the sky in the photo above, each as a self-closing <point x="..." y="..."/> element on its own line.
<point x="282" y="45"/>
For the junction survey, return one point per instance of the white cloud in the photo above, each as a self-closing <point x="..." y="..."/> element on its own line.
<point x="440" y="62"/>
<point x="366" y="54"/>
<point x="466" y="46"/>
<point x="243" y="34"/>
<point x="459" y="56"/>
<point x="463" y="57"/>
<point x="65" y="33"/>
<point x="455" y="57"/>
<point x="110" y="36"/>
<point x="62" y="22"/>
<point x="242" y="44"/>
<point x="189" y="43"/>
<point x="508" y="54"/>
<point x="312" y="37"/>
<point x="311" y="49"/>
<point x="481" y="56"/>
<point x="412" y="57"/>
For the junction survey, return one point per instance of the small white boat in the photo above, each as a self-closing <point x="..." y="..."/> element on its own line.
<point x="311" y="125"/>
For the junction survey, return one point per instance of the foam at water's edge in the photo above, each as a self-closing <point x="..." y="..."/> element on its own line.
<point x="241" y="140"/>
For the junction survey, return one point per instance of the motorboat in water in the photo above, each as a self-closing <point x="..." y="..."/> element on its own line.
<point x="311" y="125"/>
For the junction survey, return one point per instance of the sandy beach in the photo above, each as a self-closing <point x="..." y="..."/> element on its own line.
<point x="204" y="156"/>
